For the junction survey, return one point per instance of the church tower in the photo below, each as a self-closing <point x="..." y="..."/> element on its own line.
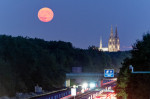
<point x="111" y="42"/>
<point x="116" y="41"/>
<point x="100" y="46"/>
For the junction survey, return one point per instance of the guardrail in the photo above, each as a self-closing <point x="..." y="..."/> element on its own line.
<point x="53" y="95"/>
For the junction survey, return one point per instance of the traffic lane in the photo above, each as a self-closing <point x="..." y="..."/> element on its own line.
<point x="85" y="95"/>
<point x="106" y="95"/>
<point x="90" y="95"/>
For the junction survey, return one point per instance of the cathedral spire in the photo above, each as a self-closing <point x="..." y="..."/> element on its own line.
<point x="100" y="43"/>
<point x="111" y="34"/>
<point x="116" y="32"/>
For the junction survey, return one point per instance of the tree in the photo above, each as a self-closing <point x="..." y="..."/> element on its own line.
<point x="123" y="80"/>
<point x="137" y="86"/>
<point x="26" y="62"/>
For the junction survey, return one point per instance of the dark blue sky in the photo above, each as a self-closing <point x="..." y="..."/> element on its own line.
<point x="80" y="22"/>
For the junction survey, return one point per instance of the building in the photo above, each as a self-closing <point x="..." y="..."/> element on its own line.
<point x="113" y="43"/>
<point x="102" y="48"/>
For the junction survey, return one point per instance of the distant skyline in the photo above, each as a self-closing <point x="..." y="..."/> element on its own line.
<point x="81" y="22"/>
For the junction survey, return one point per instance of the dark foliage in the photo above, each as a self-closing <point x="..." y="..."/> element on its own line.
<point x="26" y="62"/>
<point x="136" y="86"/>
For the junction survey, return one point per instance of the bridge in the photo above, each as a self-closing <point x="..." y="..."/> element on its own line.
<point x="91" y="76"/>
<point x="85" y="77"/>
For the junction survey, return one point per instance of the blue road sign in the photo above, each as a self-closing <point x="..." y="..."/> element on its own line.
<point x="109" y="73"/>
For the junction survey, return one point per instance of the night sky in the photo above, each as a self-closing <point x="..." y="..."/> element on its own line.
<point x="81" y="22"/>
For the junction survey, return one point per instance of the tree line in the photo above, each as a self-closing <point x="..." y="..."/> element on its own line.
<point x="136" y="85"/>
<point x="26" y="62"/>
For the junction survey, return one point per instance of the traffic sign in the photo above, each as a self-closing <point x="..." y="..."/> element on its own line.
<point x="73" y="92"/>
<point x="109" y="73"/>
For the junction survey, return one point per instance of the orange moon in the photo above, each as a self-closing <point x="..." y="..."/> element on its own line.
<point x="45" y="14"/>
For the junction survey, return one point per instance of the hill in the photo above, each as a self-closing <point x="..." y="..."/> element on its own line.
<point x="26" y="62"/>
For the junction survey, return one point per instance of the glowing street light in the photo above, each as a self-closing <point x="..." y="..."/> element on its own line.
<point x="85" y="85"/>
<point x="92" y="85"/>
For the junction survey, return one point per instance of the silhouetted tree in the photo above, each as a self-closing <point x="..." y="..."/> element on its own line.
<point x="136" y="86"/>
<point x="26" y="62"/>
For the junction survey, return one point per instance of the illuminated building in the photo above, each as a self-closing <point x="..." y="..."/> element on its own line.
<point x="102" y="48"/>
<point x="113" y="43"/>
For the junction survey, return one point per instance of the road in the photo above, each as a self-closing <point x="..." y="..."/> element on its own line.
<point x="85" y="95"/>
<point x="105" y="93"/>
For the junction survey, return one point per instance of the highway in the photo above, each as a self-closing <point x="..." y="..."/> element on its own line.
<point x="85" y="95"/>
<point x="106" y="92"/>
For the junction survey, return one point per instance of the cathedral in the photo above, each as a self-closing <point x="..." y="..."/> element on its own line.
<point x="113" y="43"/>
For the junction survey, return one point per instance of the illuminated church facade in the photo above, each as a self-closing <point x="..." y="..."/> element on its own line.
<point x="113" y="43"/>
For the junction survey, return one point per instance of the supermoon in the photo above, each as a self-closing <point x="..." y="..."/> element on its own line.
<point x="45" y="14"/>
